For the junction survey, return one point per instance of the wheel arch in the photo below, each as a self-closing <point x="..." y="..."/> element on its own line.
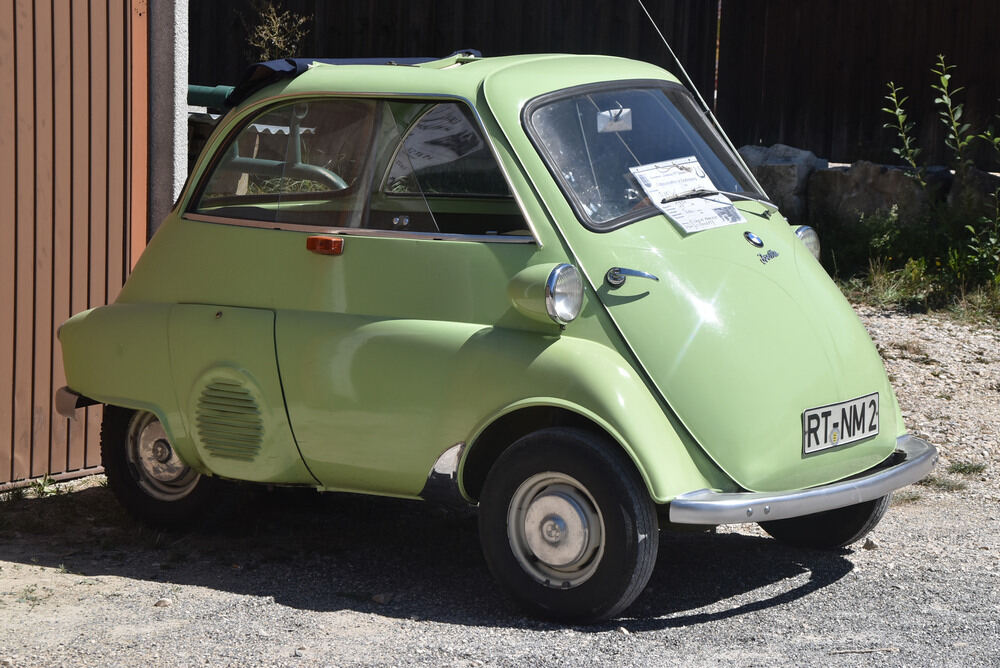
<point x="484" y="450"/>
<point x="661" y="460"/>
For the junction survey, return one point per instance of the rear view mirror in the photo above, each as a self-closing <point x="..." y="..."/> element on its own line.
<point x="614" y="120"/>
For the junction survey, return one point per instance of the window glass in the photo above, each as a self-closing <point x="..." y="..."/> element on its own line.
<point x="440" y="175"/>
<point x="443" y="153"/>
<point x="590" y="141"/>
<point x="314" y="163"/>
<point x="302" y="162"/>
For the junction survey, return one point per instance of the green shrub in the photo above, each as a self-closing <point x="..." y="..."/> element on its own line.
<point x="953" y="254"/>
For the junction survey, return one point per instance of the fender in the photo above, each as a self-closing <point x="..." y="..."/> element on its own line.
<point x="170" y="359"/>
<point x="118" y="354"/>
<point x="595" y="382"/>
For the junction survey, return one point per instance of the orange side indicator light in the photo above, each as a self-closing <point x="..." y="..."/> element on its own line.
<point x="325" y="245"/>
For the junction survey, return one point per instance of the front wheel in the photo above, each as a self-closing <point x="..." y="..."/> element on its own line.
<point x="147" y="476"/>
<point x="567" y="526"/>
<point x="830" y="529"/>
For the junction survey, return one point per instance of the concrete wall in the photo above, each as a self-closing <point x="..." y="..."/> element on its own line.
<point x="168" y="132"/>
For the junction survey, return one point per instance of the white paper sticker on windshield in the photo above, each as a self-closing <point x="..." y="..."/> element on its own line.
<point x="670" y="186"/>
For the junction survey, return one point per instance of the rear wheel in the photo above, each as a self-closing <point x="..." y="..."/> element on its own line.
<point x="145" y="473"/>
<point x="567" y="526"/>
<point x="832" y="528"/>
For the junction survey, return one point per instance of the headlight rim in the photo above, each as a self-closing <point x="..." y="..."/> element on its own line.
<point x="552" y="295"/>
<point x="809" y="238"/>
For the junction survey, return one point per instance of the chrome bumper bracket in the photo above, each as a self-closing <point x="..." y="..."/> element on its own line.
<point x="67" y="401"/>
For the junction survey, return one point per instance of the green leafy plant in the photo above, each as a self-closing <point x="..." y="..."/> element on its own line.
<point x="966" y="468"/>
<point x="991" y="138"/>
<point x="907" y="150"/>
<point x="943" y="483"/>
<point x="959" y="137"/>
<point x="984" y="245"/>
<point x="32" y="596"/>
<point x="44" y="486"/>
<point x="905" y="496"/>
<point x="953" y="250"/>
<point x="12" y="495"/>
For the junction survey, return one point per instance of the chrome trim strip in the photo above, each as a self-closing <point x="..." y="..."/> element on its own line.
<point x="360" y="231"/>
<point x="67" y="401"/>
<point x="442" y="481"/>
<point x="708" y="507"/>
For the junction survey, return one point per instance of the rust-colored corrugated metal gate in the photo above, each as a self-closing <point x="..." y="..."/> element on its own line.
<point x="73" y="190"/>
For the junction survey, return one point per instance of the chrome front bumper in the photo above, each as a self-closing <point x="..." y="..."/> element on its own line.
<point x="914" y="458"/>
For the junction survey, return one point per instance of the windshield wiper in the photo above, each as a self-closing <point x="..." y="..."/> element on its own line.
<point x="706" y="192"/>
<point x="689" y="194"/>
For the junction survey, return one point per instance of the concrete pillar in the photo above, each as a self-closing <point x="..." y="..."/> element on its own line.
<point x="168" y="81"/>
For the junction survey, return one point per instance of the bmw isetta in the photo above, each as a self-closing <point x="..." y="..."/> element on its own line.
<point x="542" y="285"/>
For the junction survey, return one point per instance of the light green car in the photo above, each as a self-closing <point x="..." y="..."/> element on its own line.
<point x="544" y="285"/>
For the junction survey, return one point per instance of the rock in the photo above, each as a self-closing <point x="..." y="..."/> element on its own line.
<point x="972" y="191"/>
<point x="870" y="544"/>
<point x="863" y="210"/>
<point x="163" y="603"/>
<point x="845" y="193"/>
<point x="623" y="630"/>
<point x="784" y="172"/>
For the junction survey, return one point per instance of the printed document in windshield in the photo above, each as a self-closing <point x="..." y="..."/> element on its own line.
<point x="681" y="190"/>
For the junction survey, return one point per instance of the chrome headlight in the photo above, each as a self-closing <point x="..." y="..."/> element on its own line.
<point x="564" y="294"/>
<point x="809" y="238"/>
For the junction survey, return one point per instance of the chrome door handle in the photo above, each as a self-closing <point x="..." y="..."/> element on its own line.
<point x="616" y="276"/>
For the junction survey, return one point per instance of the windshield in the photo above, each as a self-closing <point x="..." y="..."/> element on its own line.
<point x="593" y="140"/>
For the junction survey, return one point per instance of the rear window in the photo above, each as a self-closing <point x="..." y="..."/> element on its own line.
<point x="290" y="158"/>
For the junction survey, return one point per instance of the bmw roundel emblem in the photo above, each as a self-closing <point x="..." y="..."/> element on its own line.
<point x="753" y="239"/>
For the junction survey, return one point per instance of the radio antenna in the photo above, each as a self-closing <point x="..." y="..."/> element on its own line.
<point x="680" y="66"/>
<point x="690" y="83"/>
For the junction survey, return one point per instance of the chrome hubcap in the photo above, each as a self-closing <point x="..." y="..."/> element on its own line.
<point x="155" y="466"/>
<point x="555" y="530"/>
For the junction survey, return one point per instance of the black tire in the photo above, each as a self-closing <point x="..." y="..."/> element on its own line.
<point x="596" y="526"/>
<point x="147" y="477"/>
<point x="830" y="529"/>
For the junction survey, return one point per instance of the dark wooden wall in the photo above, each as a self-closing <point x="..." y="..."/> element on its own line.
<point x="439" y="27"/>
<point x="812" y="73"/>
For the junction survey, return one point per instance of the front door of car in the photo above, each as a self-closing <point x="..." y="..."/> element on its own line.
<point x="399" y="236"/>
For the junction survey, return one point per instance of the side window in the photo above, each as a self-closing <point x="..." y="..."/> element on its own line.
<point x="439" y="174"/>
<point x="443" y="153"/>
<point x="301" y="162"/>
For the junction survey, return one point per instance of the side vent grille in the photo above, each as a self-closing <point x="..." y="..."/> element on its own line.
<point x="229" y="420"/>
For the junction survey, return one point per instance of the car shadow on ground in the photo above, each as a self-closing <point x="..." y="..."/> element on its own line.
<point x="406" y="559"/>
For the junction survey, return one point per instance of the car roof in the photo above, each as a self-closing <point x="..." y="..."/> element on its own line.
<point x="460" y="75"/>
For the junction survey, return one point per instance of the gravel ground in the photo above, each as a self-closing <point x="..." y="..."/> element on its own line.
<point x="299" y="579"/>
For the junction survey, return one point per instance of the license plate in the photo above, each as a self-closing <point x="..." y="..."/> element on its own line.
<point x="839" y="424"/>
